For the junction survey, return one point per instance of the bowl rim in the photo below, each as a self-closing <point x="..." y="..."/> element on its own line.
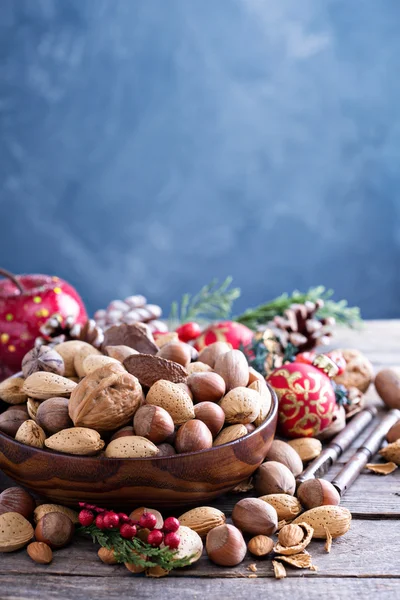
<point x="76" y="457"/>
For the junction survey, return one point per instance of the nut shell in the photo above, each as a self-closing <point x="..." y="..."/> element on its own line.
<point x="42" y="386"/>
<point x="177" y="352"/>
<point x="33" y="406"/>
<point x="241" y="405"/>
<point x="212" y="415"/>
<point x="387" y="384"/>
<point x="11" y="420"/>
<point x="97" y="361"/>
<point x="317" y="492"/>
<point x="206" y="387"/>
<point x="120" y="352"/>
<point x="76" y="440"/>
<point x="261" y="387"/>
<point x="40" y="553"/>
<point x="293" y="539"/>
<point x="153" y="423"/>
<point x="150" y="369"/>
<point x="53" y="416"/>
<point x="202" y="519"/>
<point x="391" y="452"/>
<point x="54" y="529"/>
<point x="107" y="556"/>
<point x="334" y="519"/>
<point x="286" y="506"/>
<point x="31" y="434"/>
<point x="106" y="399"/>
<point x="131" y="447"/>
<point x="165" y="449"/>
<point x="255" y="517"/>
<point x="81" y="355"/>
<point x="15" y="532"/>
<point x="233" y="368"/>
<point x="126" y="431"/>
<point x="44" y="509"/>
<point x="306" y="448"/>
<point x="43" y="358"/>
<point x="15" y="499"/>
<point x="230" y="434"/>
<point x="394" y="433"/>
<point x="67" y="351"/>
<point x="198" y="367"/>
<point x="283" y="453"/>
<point x="274" y="478"/>
<point x="12" y="392"/>
<point x="190" y="544"/>
<point x="193" y="436"/>
<point x="225" y="545"/>
<point x="173" y="399"/>
<point x="210" y="353"/>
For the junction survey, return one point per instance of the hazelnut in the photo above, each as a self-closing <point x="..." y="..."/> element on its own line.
<point x="387" y="384"/>
<point x="274" y="478"/>
<point x="12" y="419"/>
<point x="208" y="387"/>
<point x="212" y="415"/>
<point x="15" y="499"/>
<point x="317" y="492"/>
<point x="40" y="553"/>
<point x="193" y="436"/>
<point x="260" y="545"/>
<point x="283" y="453"/>
<point x="127" y="431"/>
<point x="43" y="358"/>
<point x="165" y="450"/>
<point x="107" y="556"/>
<point x="394" y="433"/>
<point x="255" y="516"/>
<point x="153" y="423"/>
<point x="178" y="352"/>
<point x="53" y="415"/>
<point x="210" y="353"/>
<point x="54" y="529"/>
<point x="136" y="568"/>
<point x="290" y="535"/>
<point x="225" y="545"/>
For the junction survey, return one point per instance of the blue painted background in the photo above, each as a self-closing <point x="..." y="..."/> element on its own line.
<point x="149" y="145"/>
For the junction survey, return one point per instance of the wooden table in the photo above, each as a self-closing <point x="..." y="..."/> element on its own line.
<point x="363" y="564"/>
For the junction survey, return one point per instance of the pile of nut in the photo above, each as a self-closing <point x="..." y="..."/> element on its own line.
<point x="137" y="397"/>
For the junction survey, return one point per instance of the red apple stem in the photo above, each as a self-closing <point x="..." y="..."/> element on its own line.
<point x="13" y="278"/>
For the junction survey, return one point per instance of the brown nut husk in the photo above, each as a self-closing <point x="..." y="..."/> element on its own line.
<point x="274" y="478"/>
<point x="76" y="440"/>
<point x="260" y="545"/>
<point x="283" y="453"/>
<point x="241" y="405"/>
<point x="391" y="452"/>
<point x="12" y="392"/>
<point x="317" y="492"/>
<point x="15" y="532"/>
<point x="293" y="539"/>
<point x="151" y="369"/>
<point x="287" y="507"/>
<point x="135" y="336"/>
<point x="31" y="434"/>
<point x="43" y="358"/>
<point x="254" y="516"/>
<point x="202" y="519"/>
<point x="334" y="519"/>
<point x="106" y="399"/>
<point x="306" y="448"/>
<point x="53" y="415"/>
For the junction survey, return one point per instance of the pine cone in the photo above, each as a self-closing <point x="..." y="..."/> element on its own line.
<point x="133" y="309"/>
<point x="90" y="332"/>
<point x="56" y="330"/>
<point x="300" y="327"/>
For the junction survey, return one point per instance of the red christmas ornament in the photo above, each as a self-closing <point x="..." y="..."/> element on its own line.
<point x="26" y="302"/>
<point x="307" y="400"/>
<point x="335" y="355"/>
<point x="188" y="331"/>
<point x="235" y="334"/>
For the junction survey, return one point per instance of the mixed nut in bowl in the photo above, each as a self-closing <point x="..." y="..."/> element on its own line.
<point x="139" y="422"/>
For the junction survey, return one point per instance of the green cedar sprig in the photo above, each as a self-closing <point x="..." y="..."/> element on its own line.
<point x="130" y="551"/>
<point x="261" y="315"/>
<point x="214" y="301"/>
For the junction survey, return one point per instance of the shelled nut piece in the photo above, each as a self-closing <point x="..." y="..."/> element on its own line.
<point x="391" y="452"/>
<point x="40" y="553"/>
<point x="260" y="545"/>
<point x="293" y="539"/>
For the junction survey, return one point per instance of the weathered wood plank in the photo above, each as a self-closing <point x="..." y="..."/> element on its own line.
<point x="363" y="552"/>
<point x="82" y="588"/>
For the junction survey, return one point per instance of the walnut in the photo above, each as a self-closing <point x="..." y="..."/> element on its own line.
<point x="105" y="399"/>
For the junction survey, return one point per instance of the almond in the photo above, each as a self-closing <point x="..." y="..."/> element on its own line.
<point x="134" y="446"/>
<point x="173" y="399"/>
<point x="42" y="386"/>
<point x="95" y="361"/>
<point x="230" y="434"/>
<point x="120" y="352"/>
<point x="40" y="553"/>
<point x="306" y="448"/>
<point x="31" y="434"/>
<point x="334" y="519"/>
<point x="261" y="387"/>
<point x="190" y="545"/>
<point x="33" y="406"/>
<point x="206" y="387"/>
<point x="15" y="532"/>
<point x="202" y="519"/>
<point x="44" y="509"/>
<point x="68" y="350"/>
<point x="233" y="368"/>
<point x="293" y="539"/>
<point x="287" y="507"/>
<point x="76" y="440"/>
<point x="241" y="405"/>
<point x="11" y="390"/>
<point x="82" y="353"/>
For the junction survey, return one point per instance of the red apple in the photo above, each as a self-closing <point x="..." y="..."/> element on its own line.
<point x="26" y="302"/>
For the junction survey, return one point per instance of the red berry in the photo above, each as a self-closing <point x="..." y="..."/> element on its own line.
<point x="111" y="520"/>
<point x="124" y="518"/>
<point x="100" y="522"/>
<point x="171" y="524"/>
<point x="127" y="531"/>
<point x="86" y="517"/>
<point x="82" y="504"/>
<point x="100" y="510"/>
<point x="188" y="331"/>
<point x="155" y="538"/>
<point x="148" y="520"/>
<point x="172" y="540"/>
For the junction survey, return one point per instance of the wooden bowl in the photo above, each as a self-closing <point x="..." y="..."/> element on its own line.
<point x="173" y="481"/>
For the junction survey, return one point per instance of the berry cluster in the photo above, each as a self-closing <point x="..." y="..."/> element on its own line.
<point x="128" y="528"/>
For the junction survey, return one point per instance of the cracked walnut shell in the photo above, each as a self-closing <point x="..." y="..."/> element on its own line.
<point x="105" y="399"/>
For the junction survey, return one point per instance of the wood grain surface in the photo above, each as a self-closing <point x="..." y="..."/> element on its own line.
<point x="364" y="564"/>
